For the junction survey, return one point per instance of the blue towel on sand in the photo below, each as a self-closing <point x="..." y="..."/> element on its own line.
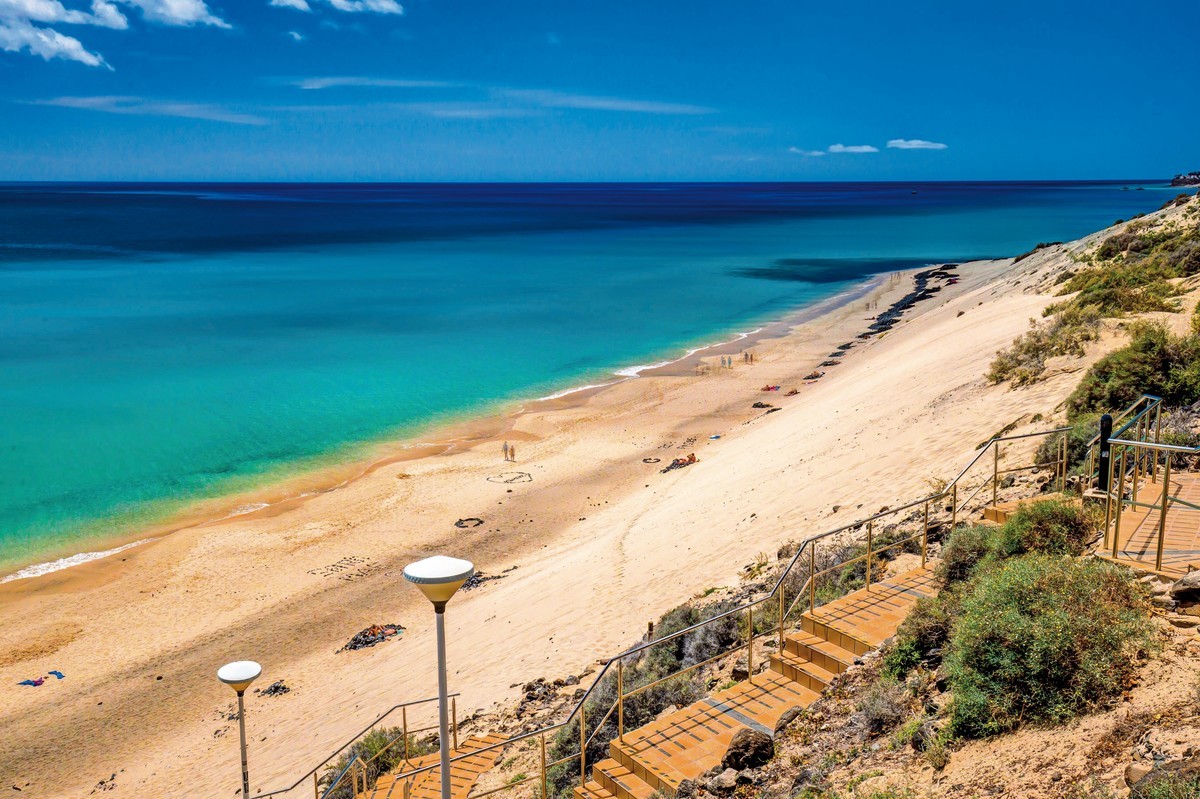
<point x="58" y="674"/>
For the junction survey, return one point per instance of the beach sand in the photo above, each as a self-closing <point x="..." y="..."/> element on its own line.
<point x="592" y="542"/>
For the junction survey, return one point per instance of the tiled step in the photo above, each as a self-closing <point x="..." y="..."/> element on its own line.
<point x="834" y="636"/>
<point x="619" y="781"/>
<point x="689" y="742"/>
<point x="428" y="784"/>
<point x="828" y="656"/>
<point x="802" y="671"/>
<point x="592" y="790"/>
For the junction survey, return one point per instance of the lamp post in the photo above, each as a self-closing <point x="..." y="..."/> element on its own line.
<point x="238" y="676"/>
<point x="438" y="578"/>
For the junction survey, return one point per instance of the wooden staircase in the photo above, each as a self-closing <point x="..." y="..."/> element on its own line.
<point x="689" y="742"/>
<point x="428" y="784"/>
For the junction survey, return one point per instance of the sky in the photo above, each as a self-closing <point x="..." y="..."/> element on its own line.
<point x="465" y="90"/>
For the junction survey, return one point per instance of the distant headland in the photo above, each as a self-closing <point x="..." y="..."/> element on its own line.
<point x="1190" y="179"/>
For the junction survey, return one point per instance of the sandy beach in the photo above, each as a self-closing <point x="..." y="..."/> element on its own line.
<point x="590" y="540"/>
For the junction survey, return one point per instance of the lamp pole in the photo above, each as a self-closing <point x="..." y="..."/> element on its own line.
<point x="238" y="676"/>
<point x="439" y="578"/>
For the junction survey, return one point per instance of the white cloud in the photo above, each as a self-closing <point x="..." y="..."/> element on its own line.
<point x="177" y="12"/>
<point x="808" y="153"/>
<point x="387" y="83"/>
<point x="17" y="35"/>
<point x="163" y="108"/>
<point x="852" y="148"/>
<point x="915" y="144"/>
<point x="552" y="99"/>
<point x="22" y="21"/>
<point x="296" y="37"/>
<point x="352" y="6"/>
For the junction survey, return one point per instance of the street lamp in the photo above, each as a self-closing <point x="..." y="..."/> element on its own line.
<point x="238" y="676"/>
<point x="438" y="578"/>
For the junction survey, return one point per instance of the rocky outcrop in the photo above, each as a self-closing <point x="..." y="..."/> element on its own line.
<point x="1189" y="179"/>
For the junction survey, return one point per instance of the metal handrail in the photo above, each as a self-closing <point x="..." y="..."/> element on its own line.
<point x="806" y="546"/>
<point x="348" y="744"/>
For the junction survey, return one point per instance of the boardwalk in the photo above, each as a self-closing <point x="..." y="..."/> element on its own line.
<point x="1139" y="527"/>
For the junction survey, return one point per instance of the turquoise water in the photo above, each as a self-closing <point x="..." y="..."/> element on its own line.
<point x="160" y="347"/>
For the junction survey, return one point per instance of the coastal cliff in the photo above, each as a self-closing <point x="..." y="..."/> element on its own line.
<point x="1188" y="179"/>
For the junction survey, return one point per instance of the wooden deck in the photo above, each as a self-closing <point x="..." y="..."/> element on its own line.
<point x="1140" y="527"/>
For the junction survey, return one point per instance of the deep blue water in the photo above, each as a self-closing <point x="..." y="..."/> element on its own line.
<point x="162" y="343"/>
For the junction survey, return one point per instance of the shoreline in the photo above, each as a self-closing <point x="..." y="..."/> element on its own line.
<point x="461" y="431"/>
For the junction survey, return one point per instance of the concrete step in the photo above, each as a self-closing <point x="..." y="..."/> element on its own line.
<point x="592" y="790"/>
<point x="620" y="781"/>
<point x="828" y="656"/>
<point x="802" y="671"/>
<point x="834" y="636"/>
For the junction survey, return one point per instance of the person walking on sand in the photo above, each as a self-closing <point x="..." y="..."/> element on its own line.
<point x="504" y="449"/>
<point x="512" y="453"/>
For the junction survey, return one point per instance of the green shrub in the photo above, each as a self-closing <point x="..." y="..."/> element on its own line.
<point x="1155" y="362"/>
<point x="966" y="547"/>
<point x="1022" y="650"/>
<point x="382" y="749"/>
<point x="1066" y="333"/>
<point x="1084" y="428"/>
<point x="924" y="633"/>
<point x="1168" y="786"/>
<point x="882" y="707"/>
<point x="1051" y="527"/>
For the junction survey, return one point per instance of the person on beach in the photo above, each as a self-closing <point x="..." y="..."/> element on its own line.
<point x="504" y="449"/>
<point x="512" y="453"/>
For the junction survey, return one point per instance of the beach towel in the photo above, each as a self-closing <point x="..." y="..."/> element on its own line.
<point x="34" y="683"/>
<point x="57" y="674"/>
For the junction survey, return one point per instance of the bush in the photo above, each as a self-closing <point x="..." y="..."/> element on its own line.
<point x="882" y="707"/>
<point x="1066" y="333"/>
<point x="1084" y="428"/>
<point x="1052" y="527"/>
<point x="1154" y="362"/>
<point x="1022" y="651"/>
<point x="966" y="547"/>
<point x="1168" y="786"/>
<point x="382" y="749"/>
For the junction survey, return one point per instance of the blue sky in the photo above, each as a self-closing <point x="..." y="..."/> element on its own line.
<point x="647" y="90"/>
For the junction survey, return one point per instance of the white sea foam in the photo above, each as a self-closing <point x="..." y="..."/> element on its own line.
<point x="38" y="569"/>
<point x="565" y="392"/>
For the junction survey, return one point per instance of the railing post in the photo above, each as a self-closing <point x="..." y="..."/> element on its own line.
<point x="812" y="578"/>
<point x="316" y="787"/>
<point x="925" y="535"/>
<point x="582" y="750"/>
<point x="1157" y="432"/>
<point x="1063" y="460"/>
<point x="1162" y="515"/>
<point x="1137" y="461"/>
<point x="454" y="719"/>
<point x="995" y="472"/>
<point x="870" y="536"/>
<point x="404" y="727"/>
<point x="545" y="782"/>
<point x="621" y="700"/>
<point x="750" y="643"/>
<point x="781" y="618"/>
<point x="1120" y="506"/>
<point x="954" y="506"/>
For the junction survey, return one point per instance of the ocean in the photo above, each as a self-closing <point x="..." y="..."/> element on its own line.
<point x="162" y="344"/>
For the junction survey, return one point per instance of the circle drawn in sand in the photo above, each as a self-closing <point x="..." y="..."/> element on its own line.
<point x="471" y="521"/>
<point x="512" y="477"/>
<point x="651" y="460"/>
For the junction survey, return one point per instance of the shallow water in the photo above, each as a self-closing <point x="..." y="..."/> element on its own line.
<point x="163" y="344"/>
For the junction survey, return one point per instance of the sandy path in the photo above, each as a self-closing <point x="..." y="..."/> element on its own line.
<point x="602" y="542"/>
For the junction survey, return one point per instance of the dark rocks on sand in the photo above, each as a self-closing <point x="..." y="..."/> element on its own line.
<point x="376" y="633"/>
<point x="748" y="749"/>
<point x="1187" y="587"/>
<point x="723" y="783"/>
<point x="789" y="715"/>
<point x="276" y="688"/>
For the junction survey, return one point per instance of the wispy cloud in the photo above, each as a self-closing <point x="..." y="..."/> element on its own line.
<point x="23" y="24"/>
<point x="351" y="6"/>
<point x="552" y="99"/>
<point x="313" y="84"/>
<point x="915" y="144"/>
<point x="296" y="37"/>
<point x="162" y="108"/>
<point x="806" y="153"/>
<point x="852" y="148"/>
